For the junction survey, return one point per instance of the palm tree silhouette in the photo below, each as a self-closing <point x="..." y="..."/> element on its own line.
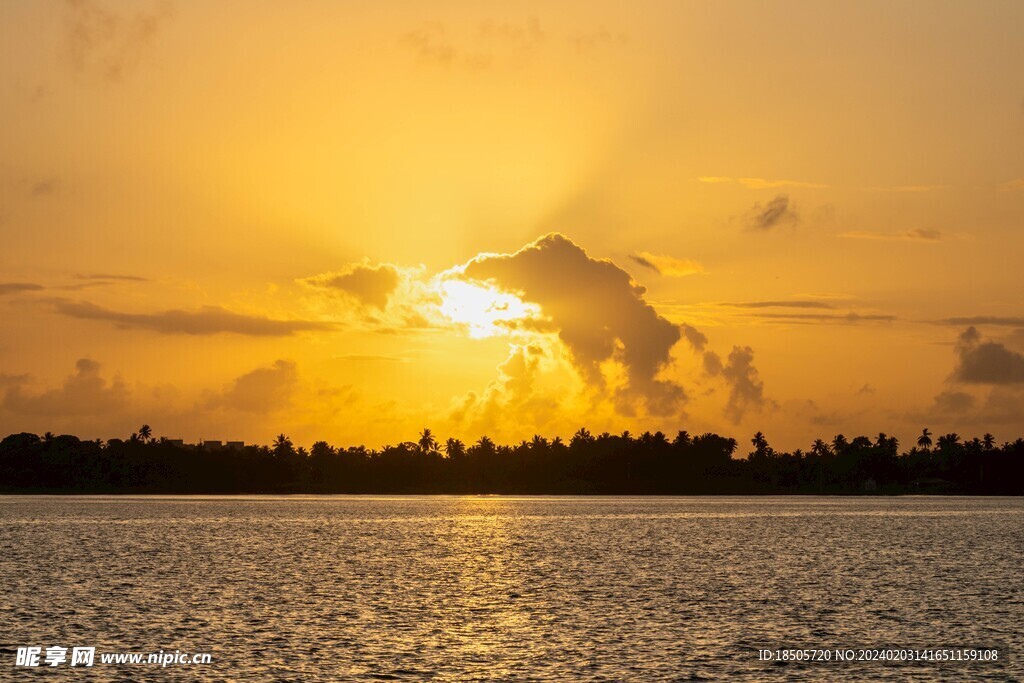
<point x="988" y="441"/>
<point x="145" y="432"/>
<point x="427" y="442"/>
<point x="925" y="440"/>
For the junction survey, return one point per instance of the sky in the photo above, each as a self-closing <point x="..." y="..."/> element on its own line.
<point x="350" y="221"/>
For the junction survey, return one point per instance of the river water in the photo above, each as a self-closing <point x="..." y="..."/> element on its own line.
<point x="337" y="588"/>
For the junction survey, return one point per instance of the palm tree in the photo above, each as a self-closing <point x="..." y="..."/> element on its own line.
<point x="760" y="444"/>
<point x="454" y="448"/>
<point x="283" y="446"/>
<point x="427" y="442"/>
<point x="925" y="440"/>
<point x="820" y="448"/>
<point x="839" y="444"/>
<point x="145" y="432"/>
<point x="988" y="441"/>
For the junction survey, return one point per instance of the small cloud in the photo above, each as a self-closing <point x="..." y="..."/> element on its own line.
<point x="18" y="287"/>
<point x="847" y="318"/>
<point x="107" y="276"/>
<point x="207" y="320"/>
<point x="107" y="42"/>
<point x="915" y="235"/>
<point x="906" y="188"/>
<point x="746" y="390"/>
<point x="760" y="183"/>
<point x="369" y="285"/>
<point x="780" y="304"/>
<point x="667" y="265"/>
<point x="1010" y="185"/>
<point x="430" y="44"/>
<point x="43" y="187"/>
<point x="83" y="393"/>
<point x="776" y="213"/>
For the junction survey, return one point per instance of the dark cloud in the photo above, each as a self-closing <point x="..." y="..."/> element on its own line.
<point x="776" y="213"/>
<point x="19" y="287"/>
<point x="110" y="43"/>
<point x="696" y="338"/>
<point x="207" y="320"/>
<point x="780" y="304"/>
<point x="915" y="235"/>
<point x="981" y="362"/>
<point x="1004" y="321"/>
<point x="83" y="393"/>
<point x="264" y="390"/>
<point x="369" y="285"/>
<point x="746" y="390"/>
<point x="599" y="312"/>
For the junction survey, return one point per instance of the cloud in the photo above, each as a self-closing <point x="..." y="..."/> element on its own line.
<point x="514" y="396"/>
<point x="906" y="188"/>
<point x="43" y="187"/>
<point x="207" y="320"/>
<point x="369" y="285"/>
<point x="746" y="390"/>
<point x="108" y="43"/>
<point x="780" y="304"/>
<point x="1005" y="321"/>
<point x="840" y="318"/>
<point x="263" y="390"/>
<point x="776" y="213"/>
<point x="1009" y="185"/>
<point x="696" y="338"/>
<point x="915" y="235"/>
<point x="18" y="287"/>
<point x="107" y="276"/>
<point x="667" y="265"/>
<point x="760" y="183"/>
<point x="430" y="44"/>
<point x="83" y="393"/>
<point x="599" y="313"/>
<point x="980" y="362"/>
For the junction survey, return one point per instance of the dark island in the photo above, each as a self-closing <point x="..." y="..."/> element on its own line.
<point x="649" y="464"/>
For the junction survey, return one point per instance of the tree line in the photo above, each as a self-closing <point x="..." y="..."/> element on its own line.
<point x="650" y="463"/>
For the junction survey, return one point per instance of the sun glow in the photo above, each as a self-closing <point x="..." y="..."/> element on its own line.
<point x="484" y="310"/>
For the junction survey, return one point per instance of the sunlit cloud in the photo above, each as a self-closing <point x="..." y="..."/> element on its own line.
<point x="484" y="310"/>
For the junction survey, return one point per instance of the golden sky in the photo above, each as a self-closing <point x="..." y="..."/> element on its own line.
<point x="350" y="221"/>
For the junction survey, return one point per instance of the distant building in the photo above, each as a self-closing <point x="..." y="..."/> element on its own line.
<point x="180" y="443"/>
<point x="235" y="445"/>
<point x="870" y="485"/>
<point x="213" y="444"/>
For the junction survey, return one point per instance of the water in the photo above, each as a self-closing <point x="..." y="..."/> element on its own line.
<point x="493" y="588"/>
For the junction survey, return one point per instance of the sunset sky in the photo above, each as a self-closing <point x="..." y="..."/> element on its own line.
<point x="349" y="221"/>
